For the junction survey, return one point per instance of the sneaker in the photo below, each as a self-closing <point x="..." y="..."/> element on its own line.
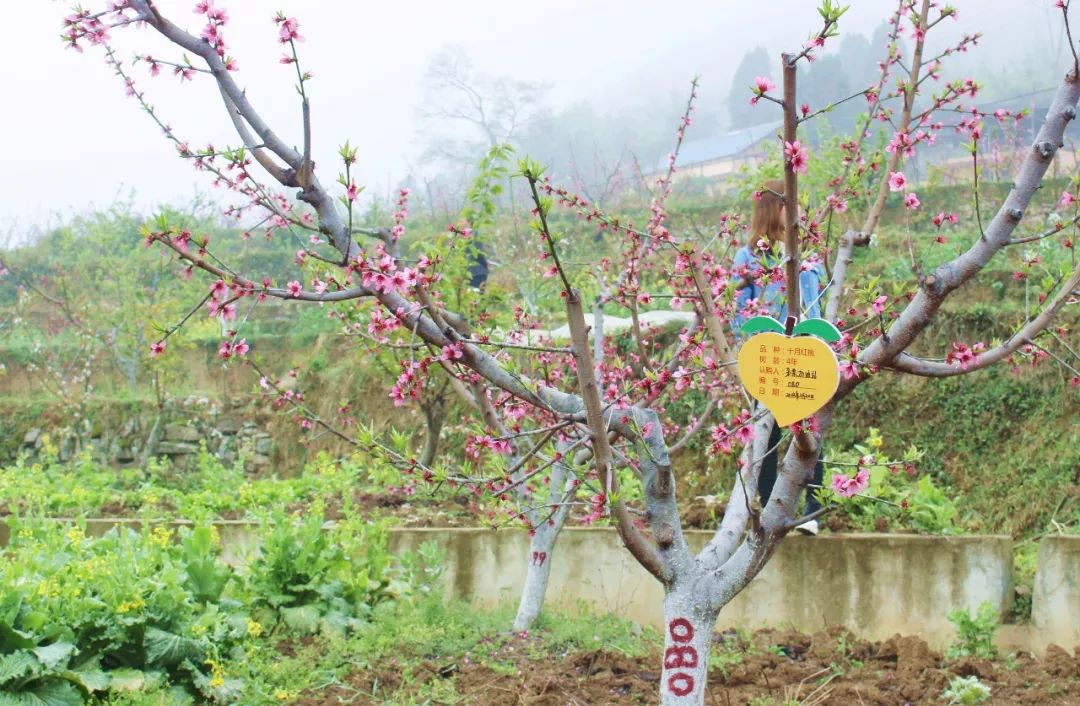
<point x="810" y="528"/>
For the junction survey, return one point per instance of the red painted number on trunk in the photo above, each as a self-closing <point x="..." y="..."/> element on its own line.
<point x="680" y="655"/>
<point x="539" y="558"/>
<point x="680" y="684"/>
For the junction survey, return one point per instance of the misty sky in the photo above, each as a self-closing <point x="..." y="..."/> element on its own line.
<point x="72" y="140"/>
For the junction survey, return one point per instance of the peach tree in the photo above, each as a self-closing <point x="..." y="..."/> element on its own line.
<point x="600" y="423"/>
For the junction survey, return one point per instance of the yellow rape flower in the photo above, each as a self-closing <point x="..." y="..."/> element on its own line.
<point x="254" y="629"/>
<point x="128" y="606"/>
<point x="217" y="674"/>
<point x="48" y="589"/>
<point x="161" y="536"/>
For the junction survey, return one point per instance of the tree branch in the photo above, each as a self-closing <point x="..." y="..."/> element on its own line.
<point x="917" y="315"/>
<point x="906" y="363"/>
<point x="646" y="554"/>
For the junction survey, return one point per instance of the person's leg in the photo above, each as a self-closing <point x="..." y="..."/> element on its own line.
<point x="812" y="504"/>
<point x="767" y="476"/>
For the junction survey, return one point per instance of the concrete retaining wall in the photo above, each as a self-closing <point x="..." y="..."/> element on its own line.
<point x="1055" y="601"/>
<point x="873" y="584"/>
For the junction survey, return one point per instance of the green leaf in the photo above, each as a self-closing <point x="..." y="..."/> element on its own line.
<point x="34" y="620"/>
<point x="176" y="696"/>
<point x="335" y="623"/>
<point x="9" y="607"/>
<point x="206" y="579"/>
<point x="89" y="676"/>
<point x="53" y="655"/>
<point x="303" y="618"/>
<point x="54" y="692"/>
<point x="127" y="679"/>
<point x="168" y="649"/>
<point x="18" y="665"/>
<point x="205" y="576"/>
<point x="817" y="327"/>
<point x="758" y="324"/>
<point x="12" y="639"/>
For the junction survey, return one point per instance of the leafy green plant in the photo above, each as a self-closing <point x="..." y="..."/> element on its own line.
<point x="930" y="509"/>
<point x="893" y="500"/>
<point x="81" y="615"/>
<point x="158" y="612"/>
<point x="1025" y="563"/>
<point x="729" y="653"/>
<point x="974" y="633"/>
<point x="966" y="690"/>
<point x="1008" y="476"/>
<point x="322" y="578"/>
<point x="84" y="487"/>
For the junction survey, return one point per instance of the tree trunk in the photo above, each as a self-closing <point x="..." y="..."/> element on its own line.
<point x="433" y="416"/>
<point x="688" y="629"/>
<point x="152" y="438"/>
<point x="562" y="488"/>
<point x="536" y="580"/>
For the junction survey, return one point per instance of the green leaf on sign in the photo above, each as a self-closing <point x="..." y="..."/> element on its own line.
<point x="758" y="324"/>
<point x="817" y="327"/>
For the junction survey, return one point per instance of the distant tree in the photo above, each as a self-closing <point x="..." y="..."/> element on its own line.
<point x="85" y="313"/>
<point x="588" y="148"/>
<point x="755" y="63"/>
<point x="482" y="111"/>
<point x="882" y="37"/>
<point x="825" y="81"/>
<point x="860" y="56"/>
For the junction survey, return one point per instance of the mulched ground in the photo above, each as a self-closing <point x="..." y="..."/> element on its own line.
<point x="897" y="671"/>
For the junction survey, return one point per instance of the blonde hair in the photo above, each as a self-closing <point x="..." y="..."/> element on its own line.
<point x="766" y="221"/>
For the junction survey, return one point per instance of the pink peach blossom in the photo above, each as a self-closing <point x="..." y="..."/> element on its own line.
<point x="846" y="487"/>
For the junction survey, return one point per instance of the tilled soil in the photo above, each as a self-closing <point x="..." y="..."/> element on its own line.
<point x="831" y="668"/>
<point x="418" y="510"/>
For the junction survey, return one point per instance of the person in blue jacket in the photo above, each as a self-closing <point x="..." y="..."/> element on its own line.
<point x="760" y="265"/>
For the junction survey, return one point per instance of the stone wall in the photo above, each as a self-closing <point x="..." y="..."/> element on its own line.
<point x="177" y="434"/>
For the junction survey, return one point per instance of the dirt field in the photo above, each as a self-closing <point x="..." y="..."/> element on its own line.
<point x="829" y="668"/>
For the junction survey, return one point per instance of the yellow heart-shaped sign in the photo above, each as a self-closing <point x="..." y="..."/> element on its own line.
<point x="792" y="377"/>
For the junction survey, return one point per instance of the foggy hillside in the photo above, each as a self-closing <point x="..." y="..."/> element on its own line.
<point x="599" y="85"/>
